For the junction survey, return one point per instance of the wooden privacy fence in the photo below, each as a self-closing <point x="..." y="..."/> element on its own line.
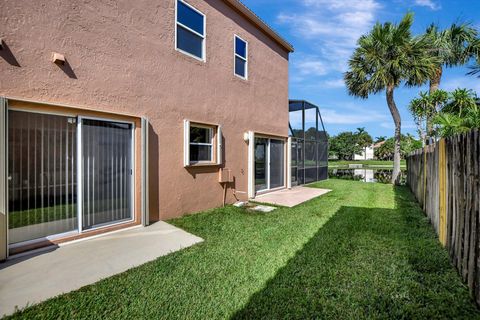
<point x="444" y="178"/>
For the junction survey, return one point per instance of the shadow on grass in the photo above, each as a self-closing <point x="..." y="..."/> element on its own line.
<point x="367" y="263"/>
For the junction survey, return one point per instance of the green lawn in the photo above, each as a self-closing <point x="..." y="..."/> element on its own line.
<point x="365" y="163"/>
<point x="362" y="251"/>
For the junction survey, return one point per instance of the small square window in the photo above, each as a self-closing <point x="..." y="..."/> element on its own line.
<point x="190" y="31"/>
<point x="202" y="144"/>
<point x="240" y="57"/>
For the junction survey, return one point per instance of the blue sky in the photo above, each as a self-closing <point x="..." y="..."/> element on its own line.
<point x="324" y="34"/>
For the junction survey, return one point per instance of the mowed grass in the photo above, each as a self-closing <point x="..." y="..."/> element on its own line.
<point x="363" y="251"/>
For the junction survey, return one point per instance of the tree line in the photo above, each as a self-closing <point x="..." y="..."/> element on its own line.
<point x="346" y="144"/>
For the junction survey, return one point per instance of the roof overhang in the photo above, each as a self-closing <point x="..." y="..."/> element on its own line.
<point x="253" y="18"/>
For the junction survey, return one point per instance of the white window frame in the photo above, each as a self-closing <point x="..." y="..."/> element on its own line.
<point x="203" y="36"/>
<point x="215" y="143"/>
<point x="235" y="55"/>
<point x="206" y="144"/>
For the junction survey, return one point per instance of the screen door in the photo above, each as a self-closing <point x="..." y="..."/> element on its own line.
<point x="107" y="171"/>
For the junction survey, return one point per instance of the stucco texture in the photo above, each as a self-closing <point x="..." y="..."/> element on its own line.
<point x="121" y="58"/>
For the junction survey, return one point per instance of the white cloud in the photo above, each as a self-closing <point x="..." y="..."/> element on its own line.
<point x="428" y="3"/>
<point x="342" y="4"/>
<point x="333" y="28"/>
<point x="331" y="116"/>
<point x="311" y="66"/>
<point x="333" y="83"/>
<point x="467" y="82"/>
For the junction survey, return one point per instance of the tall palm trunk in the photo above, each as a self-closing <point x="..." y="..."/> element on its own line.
<point x="398" y="131"/>
<point x="434" y="85"/>
<point x="435" y="80"/>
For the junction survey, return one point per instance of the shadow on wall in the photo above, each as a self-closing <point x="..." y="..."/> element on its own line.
<point x="214" y="170"/>
<point x="367" y="263"/>
<point x="8" y="56"/>
<point x="196" y="170"/>
<point x="67" y="69"/>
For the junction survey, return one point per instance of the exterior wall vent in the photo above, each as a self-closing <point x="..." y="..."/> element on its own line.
<point x="58" y="58"/>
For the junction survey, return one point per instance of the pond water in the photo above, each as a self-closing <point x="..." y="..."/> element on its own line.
<point x="366" y="175"/>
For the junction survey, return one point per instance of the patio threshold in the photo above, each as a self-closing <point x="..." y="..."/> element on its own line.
<point x="32" y="278"/>
<point x="290" y="197"/>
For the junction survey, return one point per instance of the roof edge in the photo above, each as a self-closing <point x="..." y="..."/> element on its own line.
<point x="250" y="15"/>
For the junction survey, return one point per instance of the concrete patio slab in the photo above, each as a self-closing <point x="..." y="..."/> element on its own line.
<point x="33" y="278"/>
<point x="291" y="197"/>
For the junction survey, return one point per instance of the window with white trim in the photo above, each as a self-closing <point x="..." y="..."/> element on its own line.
<point x="190" y="30"/>
<point x="241" y="57"/>
<point x="202" y="144"/>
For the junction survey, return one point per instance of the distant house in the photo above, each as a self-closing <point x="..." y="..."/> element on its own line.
<point x="369" y="152"/>
<point x="366" y="154"/>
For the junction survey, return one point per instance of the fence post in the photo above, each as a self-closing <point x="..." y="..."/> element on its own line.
<point x="424" y="178"/>
<point x="442" y="180"/>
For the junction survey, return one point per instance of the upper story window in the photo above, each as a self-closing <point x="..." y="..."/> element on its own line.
<point x="241" y="57"/>
<point x="190" y="31"/>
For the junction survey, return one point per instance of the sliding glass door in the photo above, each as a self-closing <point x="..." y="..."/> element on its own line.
<point x="42" y="172"/>
<point x="277" y="164"/>
<point x="67" y="174"/>
<point x="107" y="169"/>
<point x="261" y="164"/>
<point x="269" y="164"/>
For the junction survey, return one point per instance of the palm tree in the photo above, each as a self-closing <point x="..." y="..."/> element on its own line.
<point x="417" y="108"/>
<point x="461" y="101"/>
<point x="475" y="51"/>
<point x="460" y="114"/>
<point x="384" y="59"/>
<point x="475" y="69"/>
<point x="453" y="47"/>
<point x="449" y="124"/>
<point x="424" y="110"/>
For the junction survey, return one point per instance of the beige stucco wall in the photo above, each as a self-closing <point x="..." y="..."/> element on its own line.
<point x="121" y="58"/>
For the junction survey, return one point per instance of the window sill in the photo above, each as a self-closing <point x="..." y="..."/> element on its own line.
<point x="190" y="56"/>
<point x="205" y="164"/>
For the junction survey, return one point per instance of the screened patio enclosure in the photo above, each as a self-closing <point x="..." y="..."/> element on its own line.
<point x="309" y="153"/>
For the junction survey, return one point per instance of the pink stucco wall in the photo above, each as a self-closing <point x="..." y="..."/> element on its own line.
<point x="121" y="57"/>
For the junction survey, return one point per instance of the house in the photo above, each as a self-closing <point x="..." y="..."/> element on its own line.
<point x="369" y="152"/>
<point x="116" y="114"/>
<point x="366" y="154"/>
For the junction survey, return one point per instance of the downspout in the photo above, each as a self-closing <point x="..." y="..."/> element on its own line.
<point x="251" y="165"/>
<point x="3" y="179"/>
